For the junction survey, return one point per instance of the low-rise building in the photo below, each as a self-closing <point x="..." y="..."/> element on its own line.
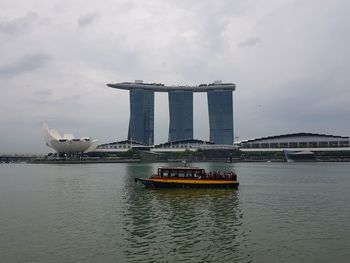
<point x="121" y="146"/>
<point x="297" y="141"/>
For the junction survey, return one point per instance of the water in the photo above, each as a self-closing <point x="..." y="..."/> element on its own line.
<point x="96" y="213"/>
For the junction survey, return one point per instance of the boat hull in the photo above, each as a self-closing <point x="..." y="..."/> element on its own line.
<point x="185" y="183"/>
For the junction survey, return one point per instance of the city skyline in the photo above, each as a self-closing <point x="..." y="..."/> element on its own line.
<point x="289" y="59"/>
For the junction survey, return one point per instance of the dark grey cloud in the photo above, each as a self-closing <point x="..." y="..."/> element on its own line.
<point x="252" y="41"/>
<point x="20" y="24"/>
<point x="25" y="64"/>
<point x="87" y="19"/>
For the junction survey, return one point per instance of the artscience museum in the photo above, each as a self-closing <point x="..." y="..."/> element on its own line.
<point x="67" y="143"/>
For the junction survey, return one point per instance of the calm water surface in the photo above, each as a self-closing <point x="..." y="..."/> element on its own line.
<point x="96" y="213"/>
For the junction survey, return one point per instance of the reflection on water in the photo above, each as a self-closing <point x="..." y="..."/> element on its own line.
<point x="171" y="225"/>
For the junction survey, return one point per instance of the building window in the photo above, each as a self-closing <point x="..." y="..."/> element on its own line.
<point x="274" y="145"/>
<point x="344" y="144"/>
<point x="302" y="144"/>
<point x="256" y="145"/>
<point x="313" y="144"/>
<point x="265" y="145"/>
<point x="323" y="144"/>
<point x="333" y="144"/>
<point x="293" y="145"/>
<point x="283" y="144"/>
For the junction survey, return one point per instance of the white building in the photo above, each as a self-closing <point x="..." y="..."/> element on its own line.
<point x="67" y="143"/>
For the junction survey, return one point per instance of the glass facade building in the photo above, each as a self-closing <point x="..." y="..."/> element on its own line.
<point x="181" y="115"/>
<point x="220" y="116"/>
<point x="141" y="124"/>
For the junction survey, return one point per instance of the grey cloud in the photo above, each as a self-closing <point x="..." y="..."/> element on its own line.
<point x="70" y="100"/>
<point x="25" y="64"/>
<point x="19" y="24"/>
<point x="297" y="72"/>
<point x="252" y="41"/>
<point x="87" y="19"/>
<point x="306" y="109"/>
<point x="64" y="124"/>
<point x="43" y="92"/>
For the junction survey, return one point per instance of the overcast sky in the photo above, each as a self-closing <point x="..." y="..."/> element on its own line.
<point x="290" y="61"/>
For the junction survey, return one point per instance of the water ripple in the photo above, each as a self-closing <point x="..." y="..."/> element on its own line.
<point x="96" y="213"/>
<point x="182" y="225"/>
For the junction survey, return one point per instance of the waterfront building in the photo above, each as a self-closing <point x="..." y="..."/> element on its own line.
<point x="173" y="146"/>
<point x="181" y="115"/>
<point x="191" y="145"/>
<point x="121" y="146"/>
<point x="141" y="124"/>
<point x="220" y="116"/>
<point x="220" y="108"/>
<point x="302" y="146"/>
<point x="181" y="145"/>
<point x="302" y="140"/>
<point x="67" y="143"/>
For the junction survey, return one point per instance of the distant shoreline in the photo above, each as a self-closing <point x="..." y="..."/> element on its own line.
<point x="172" y="161"/>
<point x="83" y="161"/>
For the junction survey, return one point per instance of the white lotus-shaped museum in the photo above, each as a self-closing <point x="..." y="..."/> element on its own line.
<point x="67" y="143"/>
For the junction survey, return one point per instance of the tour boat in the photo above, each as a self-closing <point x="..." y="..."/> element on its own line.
<point x="189" y="177"/>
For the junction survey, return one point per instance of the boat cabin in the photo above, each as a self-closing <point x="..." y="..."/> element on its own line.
<point x="193" y="173"/>
<point x="189" y="177"/>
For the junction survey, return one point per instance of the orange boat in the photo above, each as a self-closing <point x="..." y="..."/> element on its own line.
<point x="189" y="177"/>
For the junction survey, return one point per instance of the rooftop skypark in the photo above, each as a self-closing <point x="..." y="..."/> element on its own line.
<point x="159" y="87"/>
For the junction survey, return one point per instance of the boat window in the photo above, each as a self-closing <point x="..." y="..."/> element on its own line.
<point x="182" y="174"/>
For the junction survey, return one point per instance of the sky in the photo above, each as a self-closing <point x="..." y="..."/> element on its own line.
<point x="289" y="59"/>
